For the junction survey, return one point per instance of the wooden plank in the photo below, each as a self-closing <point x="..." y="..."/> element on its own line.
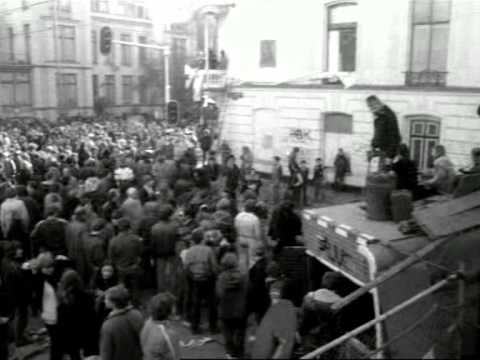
<point x="436" y="226"/>
<point x="467" y="185"/>
<point x="454" y="215"/>
<point x="453" y="206"/>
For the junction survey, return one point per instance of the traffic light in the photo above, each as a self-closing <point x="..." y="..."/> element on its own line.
<point x="172" y="112"/>
<point x="106" y="37"/>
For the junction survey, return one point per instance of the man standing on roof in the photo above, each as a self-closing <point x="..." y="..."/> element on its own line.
<point x="386" y="138"/>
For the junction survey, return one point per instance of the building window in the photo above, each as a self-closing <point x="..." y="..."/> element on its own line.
<point x="339" y="123"/>
<point x="342" y="37"/>
<point x="100" y="6"/>
<point x="11" y="44"/>
<point x="142" y="12"/>
<point x="268" y="53"/>
<point x="424" y="136"/>
<point x="126" y="50"/>
<point x="64" y="6"/>
<point x="110" y="58"/>
<point x="142" y="90"/>
<point x="127" y="89"/>
<point x="15" y="89"/>
<point x="67" y="91"/>
<point x="66" y="37"/>
<point x="95" y="86"/>
<point x="26" y="34"/>
<point x="94" y="47"/>
<point x="110" y="93"/>
<point x="429" y="47"/>
<point x="142" y="52"/>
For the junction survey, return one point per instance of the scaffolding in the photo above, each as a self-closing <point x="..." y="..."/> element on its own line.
<point x="452" y="276"/>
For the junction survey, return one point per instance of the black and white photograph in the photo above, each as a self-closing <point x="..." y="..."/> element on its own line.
<point x="239" y="179"/>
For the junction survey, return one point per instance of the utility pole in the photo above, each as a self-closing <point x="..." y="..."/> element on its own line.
<point x="166" y="54"/>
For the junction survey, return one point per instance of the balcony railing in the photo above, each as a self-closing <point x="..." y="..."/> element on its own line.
<point x="426" y="78"/>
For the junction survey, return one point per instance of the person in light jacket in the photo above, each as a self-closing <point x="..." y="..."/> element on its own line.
<point x="158" y="338"/>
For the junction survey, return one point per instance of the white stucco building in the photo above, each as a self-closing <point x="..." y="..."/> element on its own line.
<point x="419" y="56"/>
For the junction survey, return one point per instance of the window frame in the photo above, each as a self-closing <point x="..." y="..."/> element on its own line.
<point x="28" y="42"/>
<point x="430" y="23"/>
<point x="95" y="45"/>
<point x="126" y="51"/>
<point x="96" y="6"/>
<point x="129" y="100"/>
<point x="70" y="102"/>
<point x="107" y="83"/>
<point x="262" y="62"/>
<point x="63" y="38"/>
<point x="11" y="43"/>
<point x="336" y="27"/>
<point x="13" y="85"/>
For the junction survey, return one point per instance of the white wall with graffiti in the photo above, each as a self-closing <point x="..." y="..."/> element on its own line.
<point x="273" y="120"/>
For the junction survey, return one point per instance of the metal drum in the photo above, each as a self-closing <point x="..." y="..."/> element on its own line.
<point x="378" y="195"/>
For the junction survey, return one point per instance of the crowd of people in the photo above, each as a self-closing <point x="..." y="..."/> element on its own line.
<point x="96" y="215"/>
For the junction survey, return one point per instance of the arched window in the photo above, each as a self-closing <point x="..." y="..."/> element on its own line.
<point x="342" y="37"/>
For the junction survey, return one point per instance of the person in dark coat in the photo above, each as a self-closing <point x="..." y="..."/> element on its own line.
<point x="232" y="177"/>
<point x="386" y="137"/>
<point x="285" y="226"/>
<point x="95" y="248"/>
<point x="405" y="169"/>
<point x="258" y="299"/>
<point x="49" y="234"/>
<point x="206" y="141"/>
<point x="75" y="234"/>
<point x="125" y="252"/>
<point x="8" y="283"/>
<point x="231" y="291"/>
<point x="105" y="278"/>
<point x="164" y="236"/>
<point x="120" y="333"/>
<point x="342" y="168"/>
<point x="76" y="318"/>
<point x="212" y="168"/>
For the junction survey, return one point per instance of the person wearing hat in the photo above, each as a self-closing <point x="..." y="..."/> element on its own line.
<point x="120" y="333"/>
<point x="231" y="290"/>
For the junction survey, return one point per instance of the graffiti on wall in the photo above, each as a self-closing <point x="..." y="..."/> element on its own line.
<point x="300" y="135"/>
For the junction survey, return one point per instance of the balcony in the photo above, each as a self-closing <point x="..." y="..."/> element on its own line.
<point x="426" y="78"/>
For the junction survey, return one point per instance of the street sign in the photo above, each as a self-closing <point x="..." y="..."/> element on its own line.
<point x="106" y="37"/>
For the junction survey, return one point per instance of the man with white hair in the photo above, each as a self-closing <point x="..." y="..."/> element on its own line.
<point x="132" y="208"/>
